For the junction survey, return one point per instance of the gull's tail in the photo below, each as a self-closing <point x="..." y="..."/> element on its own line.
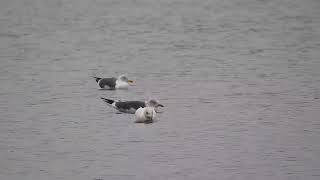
<point x="97" y="78"/>
<point x="109" y="101"/>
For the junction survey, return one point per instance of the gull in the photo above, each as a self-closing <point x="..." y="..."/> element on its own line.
<point x="145" y="115"/>
<point x="122" y="82"/>
<point x="132" y="106"/>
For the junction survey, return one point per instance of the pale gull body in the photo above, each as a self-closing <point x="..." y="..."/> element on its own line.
<point x="145" y="115"/>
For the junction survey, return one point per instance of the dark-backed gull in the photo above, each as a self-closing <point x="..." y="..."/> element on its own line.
<point x="132" y="106"/>
<point x="122" y="82"/>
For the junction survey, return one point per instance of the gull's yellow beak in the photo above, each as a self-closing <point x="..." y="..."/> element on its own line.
<point x="130" y="81"/>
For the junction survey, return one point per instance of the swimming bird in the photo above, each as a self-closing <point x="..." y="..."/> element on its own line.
<point x="122" y="82"/>
<point x="145" y="115"/>
<point x="132" y="106"/>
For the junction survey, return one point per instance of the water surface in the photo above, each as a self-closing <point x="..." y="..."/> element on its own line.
<point x="240" y="82"/>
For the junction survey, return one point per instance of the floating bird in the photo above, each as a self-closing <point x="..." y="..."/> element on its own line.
<point x="122" y="82"/>
<point x="132" y="106"/>
<point x="145" y="115"/>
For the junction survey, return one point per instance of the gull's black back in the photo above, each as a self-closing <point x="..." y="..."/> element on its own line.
<point x="126" y="105"/>
<point x="111" y="82"/>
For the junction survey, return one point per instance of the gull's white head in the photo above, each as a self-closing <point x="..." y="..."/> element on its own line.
<point x="124" y="78"/>
<point x="153" y="103"/>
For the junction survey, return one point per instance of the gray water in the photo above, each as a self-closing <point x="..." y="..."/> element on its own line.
<point x="240" y="81"/>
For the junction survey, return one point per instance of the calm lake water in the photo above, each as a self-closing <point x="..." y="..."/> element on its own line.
<point x="240" y="81"/>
